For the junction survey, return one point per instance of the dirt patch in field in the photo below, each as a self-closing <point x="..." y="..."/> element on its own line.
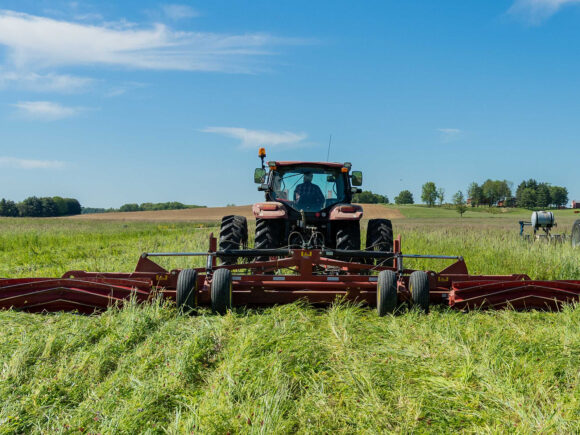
<point x="372" y="211"/>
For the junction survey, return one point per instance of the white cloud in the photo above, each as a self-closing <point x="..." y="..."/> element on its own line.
<point x="255" y="138"/>
<point x="535" y="11"/>
<point x="44" y="82"/>
<point x="449" y="134"/>
<point x="179" y="12"/>
<point x="12" y="162"/>
<point x="39" y="42"/>
<point x="46" y="110"/>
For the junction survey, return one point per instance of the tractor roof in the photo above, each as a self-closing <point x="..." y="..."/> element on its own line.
<point x="322" y="164"/>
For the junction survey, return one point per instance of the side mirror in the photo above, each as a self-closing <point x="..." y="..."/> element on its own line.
<point x="259" y="175"/>
<point x="356" y="178"/>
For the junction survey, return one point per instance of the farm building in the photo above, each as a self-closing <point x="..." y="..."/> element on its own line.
<point x="575" y="204"/>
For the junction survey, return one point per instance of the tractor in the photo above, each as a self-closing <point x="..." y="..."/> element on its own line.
<point x="308" y="205"/>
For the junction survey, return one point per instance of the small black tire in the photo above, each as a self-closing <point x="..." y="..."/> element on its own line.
<point x="221" y="291"/>
<point x="380" y="238"/>
<point x="386" y="292"/>
<point x="576" y="234"/>
<point x="186" y="291"/>
<point x="233" y="235"/>
<point x="419" y="288"/>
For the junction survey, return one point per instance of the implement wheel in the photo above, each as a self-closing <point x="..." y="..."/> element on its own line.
<point x="386" y="292"/>
<point x="419" y="288"/>
<point x="380" y="238"/>
<point x="233" y="235"/>
<point x="221" y="291"/>
<point x="186" y="293"/>
<point x="576" y="234"/>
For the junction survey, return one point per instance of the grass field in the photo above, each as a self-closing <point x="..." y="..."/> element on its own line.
<point x="290" y="368"/>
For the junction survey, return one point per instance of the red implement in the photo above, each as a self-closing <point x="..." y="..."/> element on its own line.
<point x="290" y="275"/>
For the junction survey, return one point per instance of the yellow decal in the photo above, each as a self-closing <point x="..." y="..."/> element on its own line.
<point x="306" y="253"/>
<point x="442" y="278"/>
<point x="162" y="277"/>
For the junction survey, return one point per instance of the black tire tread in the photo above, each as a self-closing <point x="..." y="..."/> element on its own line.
<point x="186" y="290"/>
<point x="380" y="238"/>
<point x="221" y="288"/>
<point x="386" y="292"/>
<point x="419" y="287"/>
<point x="233" y="235"/>
<point x="268" y="235"/>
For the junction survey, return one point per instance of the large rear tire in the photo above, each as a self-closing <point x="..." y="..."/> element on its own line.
<point x="233" y="235"/>
<point x="269" y="235"/>
<point x="386" y="293"/>
<point x="347" y="238"/>
<point x="380" y="238"/>
<point x="221" y="291"/>
<point x="186" y="291"/>
<point x="419" y="288"/>
<point x="576" y="234"/>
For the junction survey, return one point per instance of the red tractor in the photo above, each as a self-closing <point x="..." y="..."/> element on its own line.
<point x="308" y="206"/>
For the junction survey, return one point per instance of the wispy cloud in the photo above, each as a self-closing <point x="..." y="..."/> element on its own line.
<point x="12" y="162"/>
<point x="46" y="110"/>
<point x="449" y="134"/>
<point x="536" y="11"/>
<point x="44" y="82"/>
<point x="254" y="138"/>
<point x="179" y="12"/>
<point x="39" y="42"/>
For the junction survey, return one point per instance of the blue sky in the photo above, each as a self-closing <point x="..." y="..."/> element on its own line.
<point x="138" y="101"/>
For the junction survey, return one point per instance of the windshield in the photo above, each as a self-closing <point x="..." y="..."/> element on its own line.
<point x="308" y="188"/>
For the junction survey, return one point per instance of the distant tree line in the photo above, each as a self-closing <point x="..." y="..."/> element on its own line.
<point x="40" y="207"/>
<point x="368" y="197"/>
<point x="146" y="206"/>
<point x="529" y="194"/>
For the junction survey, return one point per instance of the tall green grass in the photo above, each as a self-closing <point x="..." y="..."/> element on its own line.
<point x="290" y="368"/>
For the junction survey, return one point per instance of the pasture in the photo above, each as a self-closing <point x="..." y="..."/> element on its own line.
<point x="287" y="368"/>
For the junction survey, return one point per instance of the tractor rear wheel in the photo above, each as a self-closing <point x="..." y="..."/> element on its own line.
<point x="269" y="235"/>
<point x="233" y="235"/>
<point x="386" y="292"/>
<point x="419" y="288"/>
<point x="186" y="291"/>
<point x="380" y="238"/>
<point x="576" y="234"/>
<point x="347" y="238"/>
<point x="221" y="291"/>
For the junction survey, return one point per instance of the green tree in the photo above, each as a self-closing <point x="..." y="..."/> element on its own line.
<point x="527" y="198"/>
<point x="494" y="190"/>
<point x="441" y="195"/>
<point x="459" y="201"/>
<point x="529" y="184"/>
<point x="30" y="207"/>
<point x="429" y="193"/>
<point x="368" y="197"/>
<point x="543" y="196"/>
<point x="404" y="197"/>
<point x="559" y="196"/>
<point x="475" y="193"/>
<point x="8" y="208"/>
<point x="130" y="207"/>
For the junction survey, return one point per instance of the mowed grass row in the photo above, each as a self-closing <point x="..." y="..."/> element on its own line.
<point x="289" y="368"/>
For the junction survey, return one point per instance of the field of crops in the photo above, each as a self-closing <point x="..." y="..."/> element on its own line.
<point x="290" y="368"/>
